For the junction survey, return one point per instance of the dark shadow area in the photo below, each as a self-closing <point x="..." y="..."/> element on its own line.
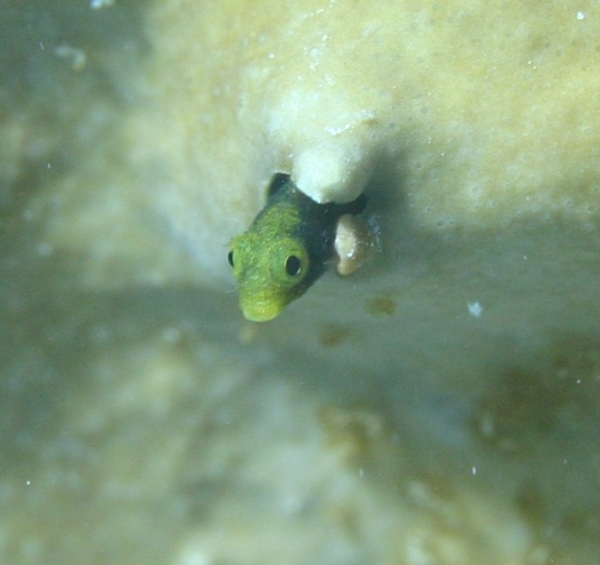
<point x="51" y="112"/>
<point x="57" y="63"/>
<point x="30" y="33"/>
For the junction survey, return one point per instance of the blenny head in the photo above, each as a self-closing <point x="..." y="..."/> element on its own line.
<point x="271" y="270"/>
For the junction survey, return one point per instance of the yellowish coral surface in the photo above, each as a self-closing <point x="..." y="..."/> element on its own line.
<point x="478" y="112"/>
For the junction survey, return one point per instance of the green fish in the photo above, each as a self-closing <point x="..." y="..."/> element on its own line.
<point x="286" y="249"/>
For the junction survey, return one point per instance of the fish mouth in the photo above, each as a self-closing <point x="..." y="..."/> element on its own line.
<point x="261" y="310"/>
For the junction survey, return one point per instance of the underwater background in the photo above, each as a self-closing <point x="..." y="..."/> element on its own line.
<point x="440" y="406"/>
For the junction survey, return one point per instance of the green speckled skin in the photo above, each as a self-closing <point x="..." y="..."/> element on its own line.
<point x="285" y="250"/>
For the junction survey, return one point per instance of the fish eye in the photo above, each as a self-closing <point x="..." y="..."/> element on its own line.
<point x="230" y="258"/>
<point x="292" y="265"/>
